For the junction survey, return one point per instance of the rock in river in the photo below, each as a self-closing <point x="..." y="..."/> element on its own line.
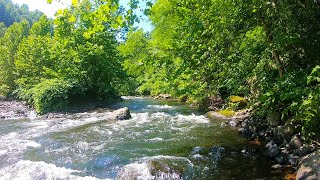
<point x="121" y="114"/>
<point x="309" y="167"/>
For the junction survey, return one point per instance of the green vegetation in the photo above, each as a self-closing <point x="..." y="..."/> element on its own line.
<point x="266" y="51"/>
<point x="10" y="13"/>
<point x="227" y="112"/>
<point x="51" y="64"/>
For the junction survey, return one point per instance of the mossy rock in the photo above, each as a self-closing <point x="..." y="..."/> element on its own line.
<point x="227" y="113"/>
<point x="238" y="101"/>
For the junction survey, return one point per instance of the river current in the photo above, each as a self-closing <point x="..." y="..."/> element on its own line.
<point x="162" y="140"/>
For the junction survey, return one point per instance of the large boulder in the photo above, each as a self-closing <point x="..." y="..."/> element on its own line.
<point x="309" y="167"/>
<point x="121" y="114"/>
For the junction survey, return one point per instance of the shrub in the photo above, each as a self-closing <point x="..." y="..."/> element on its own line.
<point x="309" y="112"/>
<point x="4" y="90"/>
<point x="51" y="95"/>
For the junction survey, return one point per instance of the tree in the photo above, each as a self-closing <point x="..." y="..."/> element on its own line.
<point x="9" y="46"/>
<point x="10" y="13"/>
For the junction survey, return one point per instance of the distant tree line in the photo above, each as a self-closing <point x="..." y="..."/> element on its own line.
<point x="10" y="13"/>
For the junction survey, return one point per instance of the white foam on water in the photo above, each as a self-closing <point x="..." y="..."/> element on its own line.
<point x="16" y="143"/>
<point x="157" y="139"/>
<point x="191" y="118"/>
<point x="161" y="157"/>
<point x="83" y="145"/>
<point x="160" y="106"/>
<point x="32" y="115"/>
<point x="32" y="144"/>
<point x="29" y="170"/>
<point x="160" y="115"/>
<point x="139" y="171"/>
<point x="136" y="120"/>
<point x="3" y="152"/>
<point x="131" y="97"/>
<point x="142" y="170"/>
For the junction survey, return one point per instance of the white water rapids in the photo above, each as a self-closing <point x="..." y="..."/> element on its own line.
<point x="162" y="140"/>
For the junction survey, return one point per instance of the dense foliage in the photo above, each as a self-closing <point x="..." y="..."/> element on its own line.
<point x="73" y="58"/>
<point x="264" y="50"/>
<point x="10" y="13"/>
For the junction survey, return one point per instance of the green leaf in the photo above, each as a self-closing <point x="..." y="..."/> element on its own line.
<point x="74" y="2"/>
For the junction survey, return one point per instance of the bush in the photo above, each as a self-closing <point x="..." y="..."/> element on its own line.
<point x="51" y="95"/>
<point x="4" y="90"/>
<point x="309" y="112"/>
<point x="295" y="96"/>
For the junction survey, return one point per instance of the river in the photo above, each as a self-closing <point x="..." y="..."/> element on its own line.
<point x="162" y="140"/>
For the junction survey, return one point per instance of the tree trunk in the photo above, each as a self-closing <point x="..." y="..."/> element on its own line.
<point x="275" y="52"/>
<point x="276" y="57"/>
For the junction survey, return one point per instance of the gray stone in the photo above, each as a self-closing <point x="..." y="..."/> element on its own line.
<point x="244" y="123"/>
<point x="279" y="138"/>
<point x="163" y="96"/>
<point x="272" y="150"/>
<point x="309" y="167"/>
<point x="306" y="149"/>
<point x="295" y="142"/>
<point x="276" y="166"/>
<point x="288" y="131"/>
<point x="121" y="114"/>
<point x="197" y="150"/>
<point x="293" y="159"/>
<point x="269" y="144"/>
<point x="233" y="123"/>
<point x="241" y="130"/>
<point x="280" y="159"/>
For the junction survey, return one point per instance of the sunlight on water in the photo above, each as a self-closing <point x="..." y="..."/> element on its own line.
<point x="162" y="140"/>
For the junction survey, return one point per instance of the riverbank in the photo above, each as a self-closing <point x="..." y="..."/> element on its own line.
<point x="14" y="109"/>
<point x="282" y="144"/>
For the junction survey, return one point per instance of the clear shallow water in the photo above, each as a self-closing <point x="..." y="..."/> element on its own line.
<point x="162" y="140"/>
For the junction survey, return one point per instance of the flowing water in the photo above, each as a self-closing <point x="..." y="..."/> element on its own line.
<point x="162" y="140"/>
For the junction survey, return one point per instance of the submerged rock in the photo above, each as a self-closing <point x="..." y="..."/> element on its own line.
<point x="121" y="114"/>
<point x="161" y="169"/>
<point x="309" y="167"/>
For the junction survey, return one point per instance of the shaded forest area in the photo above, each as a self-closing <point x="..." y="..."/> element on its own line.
<point x="266" y="51"/>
